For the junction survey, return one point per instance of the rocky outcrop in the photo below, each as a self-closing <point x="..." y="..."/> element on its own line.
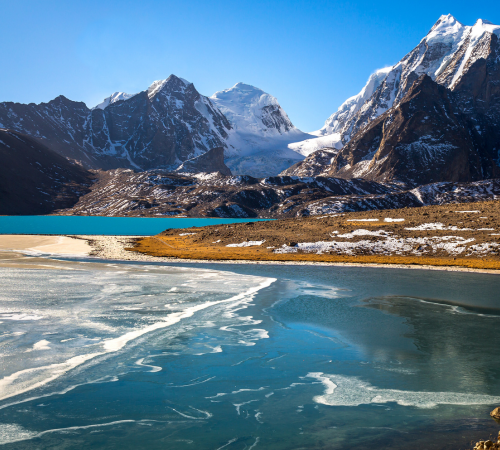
<point x="211" y="161"/>
<point x="36" y="180"/>
<point x="316" y="164"/>
<point x="488" y="445"/>
<point x="496" y="414"/>
<point x="159" y="128"/>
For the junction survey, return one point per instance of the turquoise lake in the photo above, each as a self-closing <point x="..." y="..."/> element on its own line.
<point x="111" y="226"/>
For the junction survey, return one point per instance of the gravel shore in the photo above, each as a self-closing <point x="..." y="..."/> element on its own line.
<point x="113" y="248"/>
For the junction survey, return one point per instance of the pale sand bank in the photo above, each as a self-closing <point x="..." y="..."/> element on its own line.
<point x="60" y="245"/>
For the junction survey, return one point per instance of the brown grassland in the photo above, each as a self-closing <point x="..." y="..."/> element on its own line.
<point x="479" y="223"/>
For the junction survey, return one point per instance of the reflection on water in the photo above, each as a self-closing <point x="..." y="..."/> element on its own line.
<point x="244" y="357"/>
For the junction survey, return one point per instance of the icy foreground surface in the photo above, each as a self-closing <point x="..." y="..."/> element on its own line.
<point x="98" y="354"/>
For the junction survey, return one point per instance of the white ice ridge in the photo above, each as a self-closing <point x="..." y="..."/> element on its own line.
<point x="140" y="362"/>
<point x="342" y="390"/>
<point x="40" y="345"/>
<point x="32" y="378"/>
<point x="11" y="432"/>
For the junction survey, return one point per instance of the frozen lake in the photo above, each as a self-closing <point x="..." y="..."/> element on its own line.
<point x="98" y="355"/>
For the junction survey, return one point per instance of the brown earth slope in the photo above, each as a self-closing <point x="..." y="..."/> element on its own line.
<point x="447" y="235"/>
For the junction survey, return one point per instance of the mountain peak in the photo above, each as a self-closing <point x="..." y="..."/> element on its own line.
<point x="245" y="94"/>
<point x="114" y="97"/>
<point x="446" y="29"/>
<point x="174" y="82"/>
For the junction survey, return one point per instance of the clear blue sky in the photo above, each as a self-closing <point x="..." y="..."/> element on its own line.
<point x="311" y="55"/>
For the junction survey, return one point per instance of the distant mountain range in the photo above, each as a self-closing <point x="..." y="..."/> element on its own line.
<point x="162" y="127"/>
<point x="433" y="117"/>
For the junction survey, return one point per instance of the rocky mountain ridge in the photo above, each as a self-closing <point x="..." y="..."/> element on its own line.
<point x="159" y="128"/>
<point x="446" y="54"/>
<point x="164" y="126"/>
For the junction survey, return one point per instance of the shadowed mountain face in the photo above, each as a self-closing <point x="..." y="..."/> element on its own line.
<point x="158" y="128"/>
<point x="34" y="179"/>
<point x="424" y="139"/>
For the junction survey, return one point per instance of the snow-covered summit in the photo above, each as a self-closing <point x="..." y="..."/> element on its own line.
<point x="114" y="97"/>
<point x="446" y="29"/>
<point x="261" y="131"/>
<point x="173" y="81"/>
<point x="251" y="110"/>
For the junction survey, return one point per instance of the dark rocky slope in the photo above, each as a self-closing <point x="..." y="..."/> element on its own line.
<point x="316" y="164"/>
<point x="153" y="193"/>
<point x="426" y="138"/>
<point x="209" y="162"/>
<point x="34" y="179"/>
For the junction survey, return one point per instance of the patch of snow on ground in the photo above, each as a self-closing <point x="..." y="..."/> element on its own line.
<point x="362" y="232"/>
<point x="388" y="219"/>
<point x="362" y="220"/>
<point x="246" y="244"/>
<point x="186" y="234"/>
<point x="392" y="245"/>
<point x="436" y="226"/>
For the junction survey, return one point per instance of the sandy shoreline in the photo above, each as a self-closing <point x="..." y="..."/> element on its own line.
<point x="58" y="245"/>
<point x="113" y="248"/>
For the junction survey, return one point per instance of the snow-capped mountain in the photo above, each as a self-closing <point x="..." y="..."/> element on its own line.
<point x="261" y="131"/>
<point x="159" y="128"/>
<point x="445" y="54"/>
<point x="434" y="116"/>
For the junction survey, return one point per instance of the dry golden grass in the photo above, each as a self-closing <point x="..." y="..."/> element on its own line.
<point x="184" y="248"/>
<point x="210" y="243"/>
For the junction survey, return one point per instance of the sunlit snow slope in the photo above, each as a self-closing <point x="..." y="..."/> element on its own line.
<point x="261" y="131"/>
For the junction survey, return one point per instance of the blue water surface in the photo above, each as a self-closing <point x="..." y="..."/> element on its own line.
<point x="108" y="226"/>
